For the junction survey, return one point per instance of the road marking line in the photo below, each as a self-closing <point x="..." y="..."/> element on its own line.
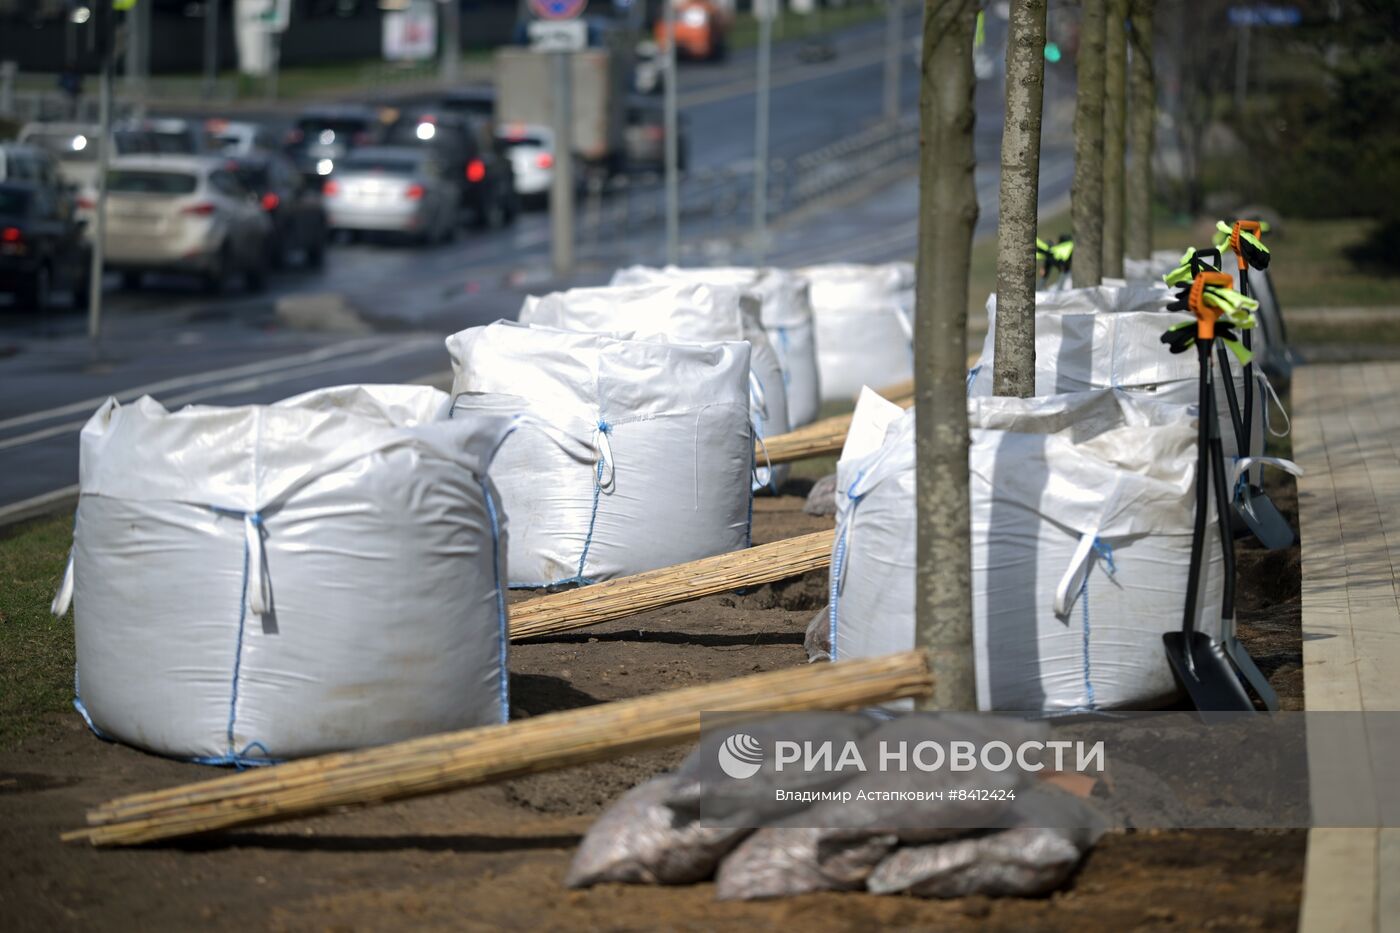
<point x="178" y="382"/>
<point x="246" y="384"/>
<point x="36" y="505"/>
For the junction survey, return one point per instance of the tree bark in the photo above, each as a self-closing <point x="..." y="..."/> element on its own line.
<point x="1115" y="119"/>
<point x="1014" y="372"/>
<point x="1086" y="192"/>
<point x="1142" y="126"/>
<point x="947" y="217"/>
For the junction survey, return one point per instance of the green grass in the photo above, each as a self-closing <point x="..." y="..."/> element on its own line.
<point x="36" y="650"/>
<point x="744" y="32"/>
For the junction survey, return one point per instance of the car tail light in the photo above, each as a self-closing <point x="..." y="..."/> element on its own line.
<point x="414" y="193"/>
<point x="476" y="170"/>
<point x="11" y="235"/>
<point x="85" y="204"/>
<point x="270" y="201"/>
<point x="544" y="160"/>
<point x="294" y="137"/>
<point x="199" y="210"/>
<point x="331" y="188"/>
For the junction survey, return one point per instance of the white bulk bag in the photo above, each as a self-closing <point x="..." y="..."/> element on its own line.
<point x="1082" y="512"/>
<point x="681" y="311"/>
<point x="636" y="454"/>
<point x="865" y="331"/>
<point x="268" y="582"/>
<point x="785" y="311"/>
<point x="1084" y="347"/>
<point x="1150" y="270"/>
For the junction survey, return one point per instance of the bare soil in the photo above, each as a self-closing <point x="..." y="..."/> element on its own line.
<point x="495" y="857"/>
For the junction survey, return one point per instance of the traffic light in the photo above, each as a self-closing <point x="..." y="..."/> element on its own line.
<point x="1052" y="52"/>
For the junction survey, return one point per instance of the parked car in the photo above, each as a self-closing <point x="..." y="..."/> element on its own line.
<point x="466" y="150"/>
<point x="183" y="214"/>
<point x="530" y="149"/>
<point x="40" y="246"/>
<point x="293" y="205"/>
<point x="74" y="145"/>
<point x="322" y="136"/>
<point x="644" y="138"/>
<point x="702" y="30"/>
<point x="397" y="189"/>
<point x="238" y="137"/>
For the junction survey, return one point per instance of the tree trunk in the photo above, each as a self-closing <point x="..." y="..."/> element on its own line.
<point x="947" y="217"/>
<point x="1014" y="373"/>
<point x="1115" y="118"/>
<point x="1138" y="239"/>
<point x="1086" y="192"/>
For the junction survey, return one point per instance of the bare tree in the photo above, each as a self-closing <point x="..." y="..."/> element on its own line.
<point x="1086" y="192"/>
<point x="1014" y="373"/>
<point x="947" y="217"/>
<point x="1115" y="118"/>
<point x="1142" y="123"/>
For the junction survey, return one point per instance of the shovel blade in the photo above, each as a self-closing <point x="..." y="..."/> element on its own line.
<point x="1263" y="519"/>
<point x="1205" y="672"/>
<point x="1251" y="673"/>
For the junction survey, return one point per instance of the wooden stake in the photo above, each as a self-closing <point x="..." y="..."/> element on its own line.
<point x="492" y="753"/>
<point x="617" y="599"/>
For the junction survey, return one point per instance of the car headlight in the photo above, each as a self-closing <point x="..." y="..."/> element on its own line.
<point x="695" y="17"/>
<point x="324" y="167"/>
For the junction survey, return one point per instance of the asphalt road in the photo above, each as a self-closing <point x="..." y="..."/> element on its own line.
<point x="182" y="347"/>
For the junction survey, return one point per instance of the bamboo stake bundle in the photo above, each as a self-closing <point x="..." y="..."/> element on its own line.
<point x="823" y="437"/>
<point x="617" y="599"/>
<point x="493" y="753"/>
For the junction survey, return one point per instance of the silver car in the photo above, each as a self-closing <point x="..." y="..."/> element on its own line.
<point x="396" y="189"/>
<point x="531" y="151"/>
<point x="184" y="214"/>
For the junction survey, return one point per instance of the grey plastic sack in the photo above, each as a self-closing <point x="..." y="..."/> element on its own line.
<point x="782" y="861"/>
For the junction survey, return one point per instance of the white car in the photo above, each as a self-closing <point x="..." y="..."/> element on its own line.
<point x="393" y="189"/>
<point x="530" y="148"/>
<point x="182" y="214"/>
<point x="74" y="145"/>
<point x="238" y="138"/>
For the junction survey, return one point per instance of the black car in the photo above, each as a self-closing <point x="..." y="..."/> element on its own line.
<point x="41" y="246"/>
<point x="478" y="102"/>
<point x="294" y="206"/>
<point x="323" y="135"/>
<point x="466" y="147"/>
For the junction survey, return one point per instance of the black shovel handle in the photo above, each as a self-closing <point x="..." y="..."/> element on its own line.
<point x="1198" y="263"/>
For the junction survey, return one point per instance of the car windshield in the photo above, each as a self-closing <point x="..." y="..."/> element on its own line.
<point x="326" y="132"/>
<point x="68" y="147"/>
<point x="155" y="141"/>
<point x="378" y="165"/>
<point x="130" y="181"/>
<point x="14" y="202"/>
<point x="254" y="177"/>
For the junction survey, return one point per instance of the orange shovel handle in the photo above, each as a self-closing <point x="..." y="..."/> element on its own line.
<point x="1252" y="226"/>
<point x="1206" y="315"/>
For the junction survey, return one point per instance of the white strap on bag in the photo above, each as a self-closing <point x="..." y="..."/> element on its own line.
<point x="1267" y="388"/>
<point x="259" y="599"/>
<point x="1238" y="468"/>
<point x="64" y="597"/>
<point x="906" y="322"/>
<point x="756" y="393"/>
<point x="605" y="472"/>
<point x="1073" y="580"/>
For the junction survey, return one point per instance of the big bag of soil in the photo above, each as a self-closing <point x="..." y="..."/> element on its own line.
<point x="785" y="310"/>
<point x="268" y="582"/>
<point x="635" y="454"/>
<point x="1082" y="512"/>
<point x="681" y="311"/>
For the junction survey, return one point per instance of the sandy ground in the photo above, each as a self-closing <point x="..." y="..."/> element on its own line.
<point x="495" y="857"/>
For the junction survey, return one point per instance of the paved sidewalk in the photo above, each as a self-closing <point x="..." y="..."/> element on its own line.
<point x="1346" y="436"/>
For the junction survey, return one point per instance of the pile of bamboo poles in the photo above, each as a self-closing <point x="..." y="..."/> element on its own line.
<point x="824" y="437"/>
<point x="617" y="599"/>
<point x="440" y="763"/>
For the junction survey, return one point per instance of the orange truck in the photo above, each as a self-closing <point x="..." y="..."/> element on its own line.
<point x="701" y="30"/>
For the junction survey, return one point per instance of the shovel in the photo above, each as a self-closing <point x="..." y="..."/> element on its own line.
<point x="1252" y="504"/>
<point x="1204" y="667"/>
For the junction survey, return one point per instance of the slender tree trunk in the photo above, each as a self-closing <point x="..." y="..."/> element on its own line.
<point x="1115" y="120"/>
<point x="1143" y="121"/>
<point x="1086" y="192"/>
<point x="947" y="216"/>
<point x="1014" y="373"/>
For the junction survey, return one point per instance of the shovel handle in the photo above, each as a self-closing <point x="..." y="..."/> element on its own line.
<point x="1206" y="315"/>
<point x="1198" y="258"/>
<point x="1250" y="226"/>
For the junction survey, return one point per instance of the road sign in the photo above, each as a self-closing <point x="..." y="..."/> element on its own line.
<point x="558" y="9"/>
<point x="562" y="35"/>
<point x="1265" y="15"/>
